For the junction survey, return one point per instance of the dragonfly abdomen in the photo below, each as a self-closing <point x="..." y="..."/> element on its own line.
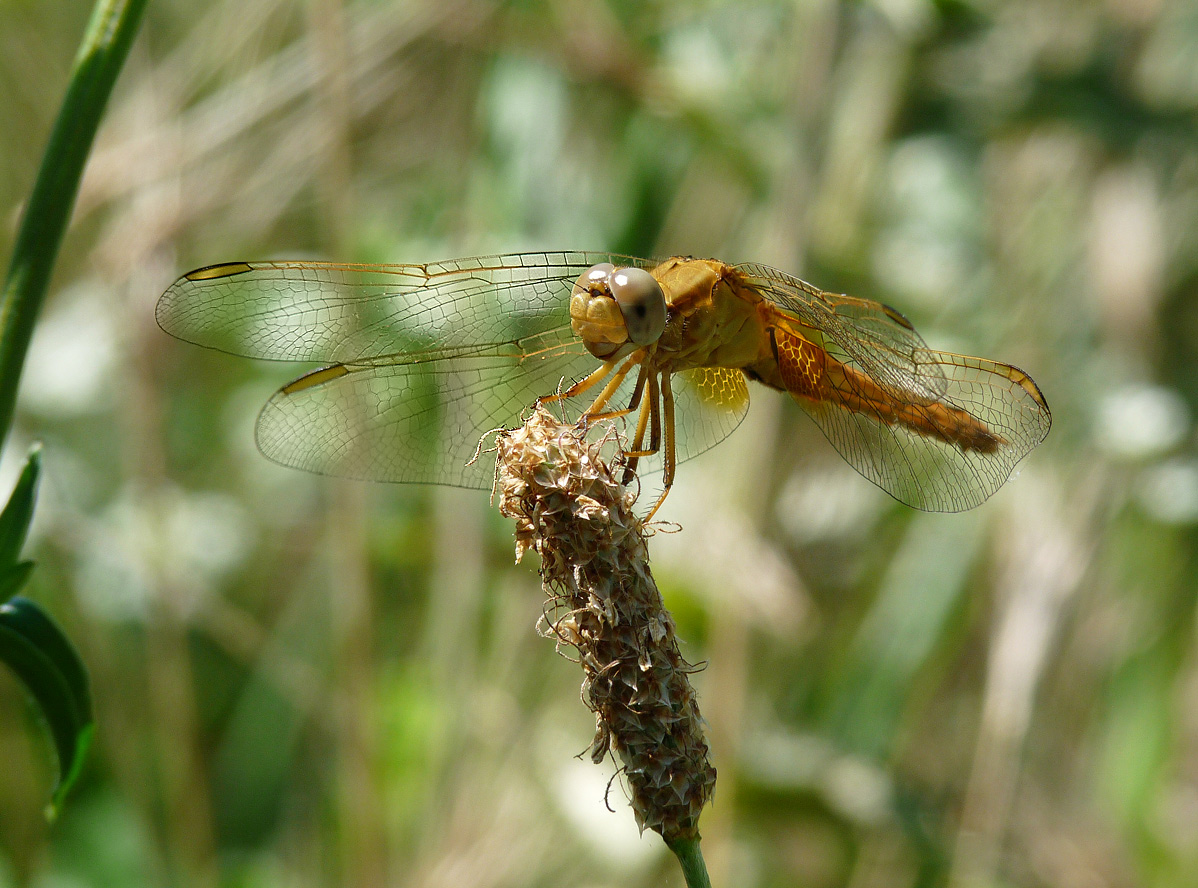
<point x="809" y="373"/>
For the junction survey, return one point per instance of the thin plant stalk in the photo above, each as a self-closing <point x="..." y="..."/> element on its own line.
<point x="101" y="55"/>
<point x="691" y="858"/>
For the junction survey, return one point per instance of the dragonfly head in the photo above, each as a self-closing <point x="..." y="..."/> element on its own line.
<point x="611" y="308"/>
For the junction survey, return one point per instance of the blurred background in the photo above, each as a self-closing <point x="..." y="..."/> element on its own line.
<point x="305" y="682"/>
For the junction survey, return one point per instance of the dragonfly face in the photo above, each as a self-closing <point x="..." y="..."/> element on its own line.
<point x="614" y="308"/>
<point x="422" y="360"/>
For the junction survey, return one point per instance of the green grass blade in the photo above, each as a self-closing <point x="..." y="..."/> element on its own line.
<point x="105" y="46"/>
<point x="17" y="515"/>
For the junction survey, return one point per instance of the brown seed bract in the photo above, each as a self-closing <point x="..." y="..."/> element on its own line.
<point x="569" y="506"/>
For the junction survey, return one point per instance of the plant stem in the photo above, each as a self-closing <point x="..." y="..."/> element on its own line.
<point x="691" y="857"/>
<point x="102" y="53"/>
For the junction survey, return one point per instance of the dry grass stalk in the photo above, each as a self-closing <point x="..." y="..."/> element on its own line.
<point x="569" y="506"/>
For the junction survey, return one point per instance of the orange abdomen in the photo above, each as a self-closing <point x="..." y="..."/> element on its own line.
<point x="807" y="371"/>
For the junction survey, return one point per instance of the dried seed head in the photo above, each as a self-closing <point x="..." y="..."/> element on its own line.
<point x="570" y="508"/>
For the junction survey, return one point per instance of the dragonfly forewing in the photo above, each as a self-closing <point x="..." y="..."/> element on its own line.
<point x="333" y="312"/>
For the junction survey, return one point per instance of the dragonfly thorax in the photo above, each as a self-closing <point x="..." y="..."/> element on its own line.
<point x="611" y="308"/>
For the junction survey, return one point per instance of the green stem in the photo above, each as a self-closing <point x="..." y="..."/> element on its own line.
<point x="101" y="55"/>
<point x="693" y="868"/>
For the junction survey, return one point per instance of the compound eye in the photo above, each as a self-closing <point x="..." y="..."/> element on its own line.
<point x="595" y="276"/>
<point x="641" y="302"/>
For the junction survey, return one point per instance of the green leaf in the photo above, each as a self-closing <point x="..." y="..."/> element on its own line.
<point x="36" y="649"/>
<point x="13" y="579"/>
<point x="17" y="515"/>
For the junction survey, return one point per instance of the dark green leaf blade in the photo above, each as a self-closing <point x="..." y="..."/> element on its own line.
<point x="13" y="579"/>
<point x="18" y="513"/>
<point x="38" y="651"/>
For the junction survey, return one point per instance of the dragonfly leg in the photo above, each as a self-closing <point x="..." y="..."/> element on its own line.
<point x="633" y="402"/>
<point x="589" y="381"/>
<point x="655" y="412"/>
<point x="648" y="418"/>
<point x="595" y="411"/>
<point x="669" y="456"/>
<point x="641" y="425"/>
<point x="654" y="422"/>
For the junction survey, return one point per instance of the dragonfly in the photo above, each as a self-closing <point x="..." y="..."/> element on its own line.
<point x="422" y="360"/>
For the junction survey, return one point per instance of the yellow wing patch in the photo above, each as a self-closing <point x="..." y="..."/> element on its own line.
<point x="720" y="387"/>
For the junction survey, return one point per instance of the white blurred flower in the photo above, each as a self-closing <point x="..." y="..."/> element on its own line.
<point x="852" y="785"/>
<point x="596" y="806"/>
<point x="178" y="542"/>
<point x="830" y="504"/>
<point x="1141" y="421"/>
<point x="69" y="369"/>
<point x="697" y="64"/>
<point x="1169" y="492"/>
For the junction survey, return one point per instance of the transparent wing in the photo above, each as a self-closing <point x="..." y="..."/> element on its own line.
<point x="876" y="337"/>
<point x="329" y="312"/>
<point x="423" y="422"/>
<point x="411" y="422"/>
<point x="888" y="372"/>
<point x="709" y="403"/>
